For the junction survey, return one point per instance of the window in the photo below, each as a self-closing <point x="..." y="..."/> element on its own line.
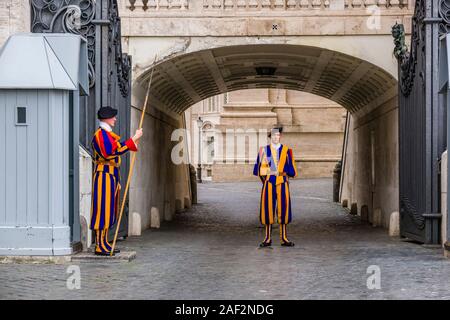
<point x="210" y="148"/>
<point x="210" y="102"/>
<point x="21" y="115"/>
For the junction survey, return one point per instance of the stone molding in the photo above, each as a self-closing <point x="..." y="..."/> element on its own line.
<point x="207" y="7"/>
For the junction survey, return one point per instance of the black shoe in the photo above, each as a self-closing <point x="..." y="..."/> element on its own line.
<point x="265" y="244"/>
<point x="115" y="249"/>
<point x="103" y="253"/>
<point x="287" y="244"/>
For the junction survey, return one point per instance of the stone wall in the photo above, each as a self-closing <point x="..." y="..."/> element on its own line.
<point x="159" y="188"/>
<point x="14" y="18"/>
<point x="370" y="176"/>
<point x="317" y="17"/>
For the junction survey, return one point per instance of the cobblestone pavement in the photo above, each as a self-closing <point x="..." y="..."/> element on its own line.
<point x="210" y="252"/>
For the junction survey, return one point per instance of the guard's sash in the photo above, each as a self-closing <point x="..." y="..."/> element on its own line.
<point x="264" y="169"/>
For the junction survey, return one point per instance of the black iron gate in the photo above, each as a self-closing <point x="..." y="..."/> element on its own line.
<point x="109" y="69"/>
<point x="421" y="125"/>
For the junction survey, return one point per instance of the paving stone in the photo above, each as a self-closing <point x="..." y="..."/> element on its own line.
<point x="91" y="257"/>
<point x="35" y="259"/>
<point x="211" y="252"/>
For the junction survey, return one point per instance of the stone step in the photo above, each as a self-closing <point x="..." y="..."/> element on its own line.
<point x="89" y="256"/>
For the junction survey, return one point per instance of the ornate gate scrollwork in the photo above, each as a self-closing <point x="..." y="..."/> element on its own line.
<point x="421" y="134"/>
<point x="408" y="58"/>
<point x="78" y="17"/>
<point x="444" y="14"/>
<point x="121" y="60"/>
<point x="98" y="22"/>
<point x="67" y="16"/>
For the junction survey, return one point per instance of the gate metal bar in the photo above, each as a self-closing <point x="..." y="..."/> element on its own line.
<point x="109" y="69"/>
<point x="422" y="136"/>
<point x="444" y="86"/>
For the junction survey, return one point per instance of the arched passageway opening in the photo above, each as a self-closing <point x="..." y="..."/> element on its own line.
<point x="234" y="125"/>
<point x="367" y="91"/>
<point x="181" y="81"/>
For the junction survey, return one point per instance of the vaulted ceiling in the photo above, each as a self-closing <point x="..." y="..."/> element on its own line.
<point x="181" y="81"/>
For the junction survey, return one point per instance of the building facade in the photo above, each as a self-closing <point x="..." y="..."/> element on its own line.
<point x="340" y="50"/>
<point x="235" y="124"/>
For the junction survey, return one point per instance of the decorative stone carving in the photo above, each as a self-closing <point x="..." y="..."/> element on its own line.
<point x="242" y="4"/>
<point x="266" y="3"/>
<point x="217" y="4"/>
<point x="316" y="4"/>
<point x="304" y="4"/>
<point x="163" y="4"/>
<point x="253" y="4"/>
<point x="228" y="4"/>
<point x="278" y="4"/>
<point x="357" y="4"/>
<point x="394" y="3"/>
<point x="175" y="4"/>
<point x="145" y="5"/>
<point x="291" y="4"/>
<point x="132" y="5"/>
<point x="382" y="3"/>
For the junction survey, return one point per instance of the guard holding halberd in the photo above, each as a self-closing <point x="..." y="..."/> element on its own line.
<point x="107" y="149"/>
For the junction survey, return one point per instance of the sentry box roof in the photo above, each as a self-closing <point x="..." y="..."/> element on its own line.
<point x="44" y="61"/>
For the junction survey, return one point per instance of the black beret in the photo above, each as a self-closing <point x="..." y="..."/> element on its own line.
<point x="106" y="112"/>
<point x="275" y="129"/>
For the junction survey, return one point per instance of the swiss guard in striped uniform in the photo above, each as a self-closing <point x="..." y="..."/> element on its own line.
<point x="274" y="165"/>
<point x="107" y="148"/>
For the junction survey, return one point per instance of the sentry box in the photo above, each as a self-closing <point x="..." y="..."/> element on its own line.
<point x="41" y="79"/>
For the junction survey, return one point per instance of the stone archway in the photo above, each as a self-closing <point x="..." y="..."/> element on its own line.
<point x="368" y="91"/>
<point x="181" y="81"/>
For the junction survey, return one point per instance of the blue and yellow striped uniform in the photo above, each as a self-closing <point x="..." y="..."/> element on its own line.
<point x="274" y="167"/>
<point x="107" y="149"/>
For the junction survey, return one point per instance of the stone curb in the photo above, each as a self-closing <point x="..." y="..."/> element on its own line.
<point x="125" y="256"/>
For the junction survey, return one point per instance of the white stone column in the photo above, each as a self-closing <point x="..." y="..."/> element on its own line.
<point x="85" y="197"/>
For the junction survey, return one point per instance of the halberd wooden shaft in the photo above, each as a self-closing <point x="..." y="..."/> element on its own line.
<point x="133" y="159"/>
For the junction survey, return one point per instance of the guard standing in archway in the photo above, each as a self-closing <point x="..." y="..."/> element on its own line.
<point x="274" y="165"/>
<point x="107" y="149"/>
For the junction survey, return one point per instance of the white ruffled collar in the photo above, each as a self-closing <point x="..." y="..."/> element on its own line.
<point x="105" y="126"/>
<point x="276" y="146"/>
